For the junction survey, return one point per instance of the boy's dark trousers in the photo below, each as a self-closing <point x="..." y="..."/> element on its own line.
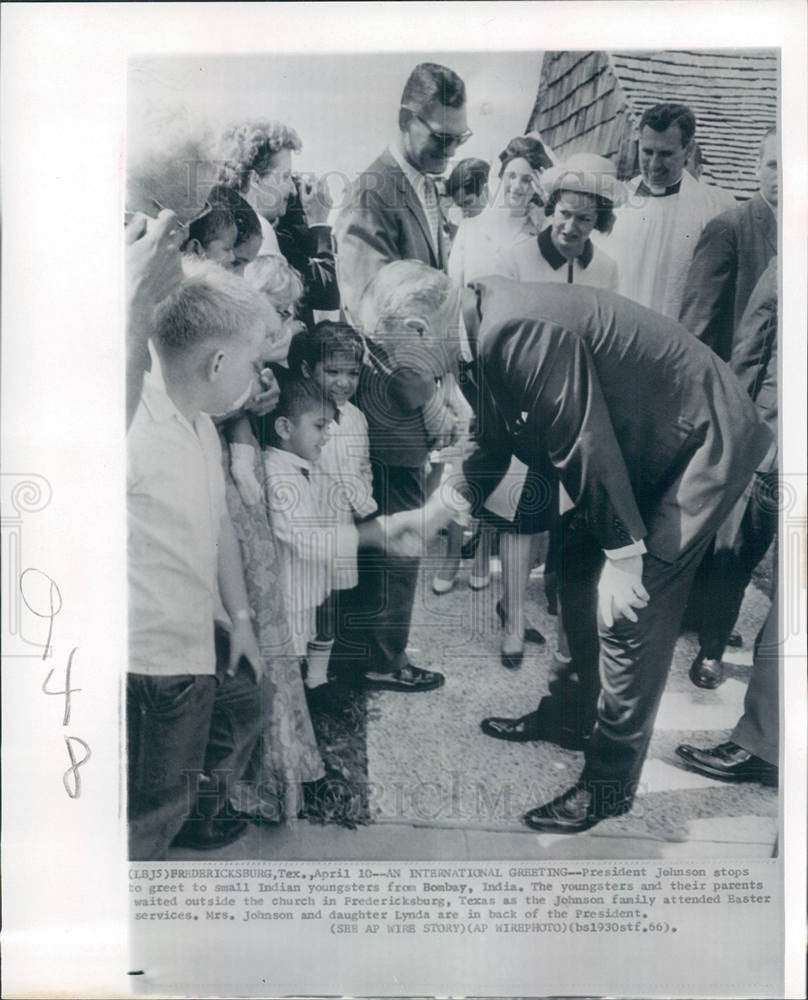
<point x="190" y="737"/>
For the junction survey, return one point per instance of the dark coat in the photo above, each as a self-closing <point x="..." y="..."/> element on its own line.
<point x="732" y="253"/>
<point x="754" y="351"/>
<point x="382" y="221"/>
<point x="650" y="433"/>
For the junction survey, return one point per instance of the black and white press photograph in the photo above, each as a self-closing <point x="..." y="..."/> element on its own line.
<point x="452" y="455"/>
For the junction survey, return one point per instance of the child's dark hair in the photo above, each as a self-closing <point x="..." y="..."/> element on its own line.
<point x="209" y="226"/>
<point x="244" y="215"/>
<point x="323" y="341"/>
<point x="298" y="395"/>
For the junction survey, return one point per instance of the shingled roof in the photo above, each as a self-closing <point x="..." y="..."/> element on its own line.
<point x="594" y="100"/>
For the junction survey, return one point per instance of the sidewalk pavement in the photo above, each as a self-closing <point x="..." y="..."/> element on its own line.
<point x="441" y="790"/>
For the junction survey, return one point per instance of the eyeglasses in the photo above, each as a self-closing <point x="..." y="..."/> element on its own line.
<point x="442" y="138"/>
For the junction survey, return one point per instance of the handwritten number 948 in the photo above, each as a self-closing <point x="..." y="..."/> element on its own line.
<point x="48" y="606"/>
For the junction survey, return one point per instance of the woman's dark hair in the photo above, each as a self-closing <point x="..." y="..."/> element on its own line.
<point x="244" y="215"/>
<point x="604" y="219"/>
<point x="470" y="174"/>
<point x="527" y="148"/>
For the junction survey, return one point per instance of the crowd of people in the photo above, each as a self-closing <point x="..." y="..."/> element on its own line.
<point x="554" y="351"/>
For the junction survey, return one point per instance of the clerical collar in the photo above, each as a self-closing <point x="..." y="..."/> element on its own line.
<point x="557" y="260"/>
<point x="645" y="190"/>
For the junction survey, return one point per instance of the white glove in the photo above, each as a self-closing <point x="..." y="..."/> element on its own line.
<point x="242" y="467"/>
<point x="620" y="589"/>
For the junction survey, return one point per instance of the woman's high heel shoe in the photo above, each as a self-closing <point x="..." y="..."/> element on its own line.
<point x="530" y="634"/>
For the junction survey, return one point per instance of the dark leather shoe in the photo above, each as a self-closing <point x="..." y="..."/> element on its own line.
<point x="515" y="730"/>
<point x="208" y="834"/>
<point x="706" y="673"/>
<point x="735" y="640"/>
<point x="530" y="634"/>
<point x="512" y="661"/>
<point x="729" y="762"/>
<point x="408" y="678"/>
<point x="529" y="727"/>
<point x="572" y="812"/>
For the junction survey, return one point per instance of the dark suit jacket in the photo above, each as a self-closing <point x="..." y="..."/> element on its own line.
<point x="732" y="253"/>
<point x="383" y="220"/>
<point x="651" y="434"/>
<point x="754" y="352"/>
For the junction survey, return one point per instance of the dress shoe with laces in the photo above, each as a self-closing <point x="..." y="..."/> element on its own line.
<point x="573" y="812"/>
<point x="729" y="762"/>
<point x="706" y="673"/>
<point x="408" y="678"/>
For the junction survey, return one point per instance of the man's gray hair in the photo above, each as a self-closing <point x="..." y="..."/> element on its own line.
<point x="405" y="288"/>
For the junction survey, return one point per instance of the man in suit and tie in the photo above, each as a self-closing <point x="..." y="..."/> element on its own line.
<point x="732" y="253"/>
<point x="393" y="212"/>
<point x="654" y="439"/>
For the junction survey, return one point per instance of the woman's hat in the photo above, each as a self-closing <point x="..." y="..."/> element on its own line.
<point x="586" y="173"/>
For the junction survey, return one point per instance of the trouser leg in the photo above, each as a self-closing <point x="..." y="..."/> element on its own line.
<point x="234" y="728"/>
<point x="387" y="584"/>
<point x="168" y="721"/>
<point x="574" y="685"/>
<point x="740" y="544"/>
<point x="634" y="662"/>
<point x="758" y="729"/>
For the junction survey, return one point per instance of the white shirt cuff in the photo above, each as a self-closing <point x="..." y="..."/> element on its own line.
<point x="634" y="549"/>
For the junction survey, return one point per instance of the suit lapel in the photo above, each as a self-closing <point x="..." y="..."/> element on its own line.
<point x="413" y="205"/>
<point x="766" y="221"/>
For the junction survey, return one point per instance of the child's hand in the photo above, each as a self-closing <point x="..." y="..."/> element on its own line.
<point x="244" y="644"/>
<point x="242" y="467"/>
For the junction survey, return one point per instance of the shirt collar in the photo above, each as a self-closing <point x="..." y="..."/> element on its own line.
<point x="557" y="260"/>
<point x="159" y="404"/>
<point x="290" y="461"/>
<point x="415" y="177"/>
<point x="643" y="189"/>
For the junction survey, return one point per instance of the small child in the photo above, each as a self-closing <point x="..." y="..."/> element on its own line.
<point x="248" y="226"/>
<point x="213" y="235"/>
<point x="311" y="540"/>
<point x="188" y="714"/>
<point x="331" y="356"/>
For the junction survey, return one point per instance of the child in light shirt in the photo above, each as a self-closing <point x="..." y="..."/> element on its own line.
<point x="311" y="539"/>
<point x="330" y="355"/>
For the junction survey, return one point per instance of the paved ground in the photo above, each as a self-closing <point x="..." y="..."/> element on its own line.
<point x="440" y="789"/>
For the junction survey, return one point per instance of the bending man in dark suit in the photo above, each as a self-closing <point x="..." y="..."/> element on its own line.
<point x="393" y="211"/>
<point x="654" y="440"/>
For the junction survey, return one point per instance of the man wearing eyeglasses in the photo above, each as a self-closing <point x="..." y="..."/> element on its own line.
<point x="393" y="212"/>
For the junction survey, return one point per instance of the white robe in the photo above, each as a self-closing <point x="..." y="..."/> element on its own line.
<point x="653" y="242"/>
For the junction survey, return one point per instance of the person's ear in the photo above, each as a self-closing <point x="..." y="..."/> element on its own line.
<point x="417" y="325"/>
<point x="193" y="246"/>
<point x="305" y="370"/>
<point x="283" y="428"/>
<point x="215" y="364"/>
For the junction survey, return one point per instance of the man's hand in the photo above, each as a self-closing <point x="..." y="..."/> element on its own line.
<point x="315" y="199"/>
<point x="620" y="589"/>
<point x="153" y="268"/>
<point x="265" y="401"/>
<point x="243" y="643"/>
<point x="402" y="533"/>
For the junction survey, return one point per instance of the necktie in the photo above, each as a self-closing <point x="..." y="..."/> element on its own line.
<point x="432" y="210"/>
